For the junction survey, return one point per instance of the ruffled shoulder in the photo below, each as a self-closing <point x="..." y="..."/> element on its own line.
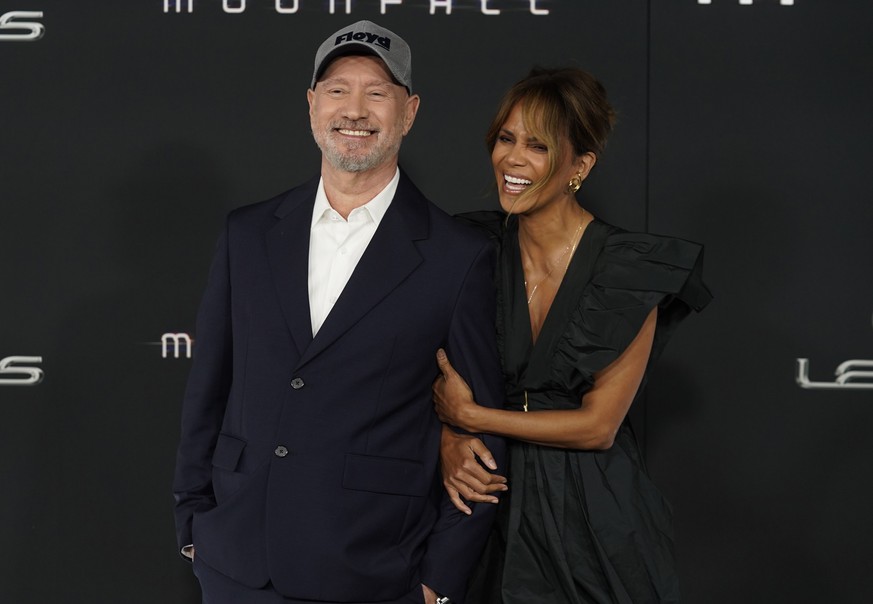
<point x="644" y="262"/>
<point x="634" y="273"/>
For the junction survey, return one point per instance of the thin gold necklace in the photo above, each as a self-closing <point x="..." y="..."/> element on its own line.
<point x="570" y="247"/>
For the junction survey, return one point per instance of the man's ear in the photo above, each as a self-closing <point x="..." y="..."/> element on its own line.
<point x="412" y="104"/>
<point x="310" y="97"/>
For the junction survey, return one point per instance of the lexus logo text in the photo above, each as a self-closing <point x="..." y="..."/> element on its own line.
<point x="15" y="28"/>
<point x="20" y="371"/>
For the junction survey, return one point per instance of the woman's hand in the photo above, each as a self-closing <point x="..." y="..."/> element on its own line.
<point x="460" y="454"/>
<point x="463" y="475"/>
<point x="452" y="397"/>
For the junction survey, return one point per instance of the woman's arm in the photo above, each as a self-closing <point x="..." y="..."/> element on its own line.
<point x="592" y="426"/>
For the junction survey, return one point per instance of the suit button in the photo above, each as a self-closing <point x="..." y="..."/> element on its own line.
<point x="297" y="383"/>
<point x="281" y="451"/>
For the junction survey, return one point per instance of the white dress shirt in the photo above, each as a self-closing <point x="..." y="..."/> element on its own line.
<point x="336" y="245"/>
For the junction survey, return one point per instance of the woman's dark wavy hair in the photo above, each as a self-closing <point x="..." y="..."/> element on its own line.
<point x="557" y="104"/>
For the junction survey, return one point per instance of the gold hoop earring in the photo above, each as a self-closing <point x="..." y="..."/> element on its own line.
<point x="574" y="184"/>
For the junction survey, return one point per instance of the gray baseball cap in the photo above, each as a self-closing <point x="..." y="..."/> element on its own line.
<point x="365" y="37"/>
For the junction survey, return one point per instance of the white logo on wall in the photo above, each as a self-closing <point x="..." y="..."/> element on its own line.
<point x="176" y="342"/>
<point x="854" y="374"/>
<point x="13" y="373"/>
<point x="750" y="2"/>
<point x="289" y="7"/>
<point x="12" y="29"/>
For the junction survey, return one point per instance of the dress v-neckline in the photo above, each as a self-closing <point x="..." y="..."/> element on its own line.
<point x="538" y="353"/>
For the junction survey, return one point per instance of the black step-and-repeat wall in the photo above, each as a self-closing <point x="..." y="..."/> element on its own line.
<point x="128" y="130"/>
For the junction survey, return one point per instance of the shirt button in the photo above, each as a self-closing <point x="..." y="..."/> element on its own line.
<point x="343" y="251"/>
<point x="281" y="451"/>
<point x="297" y="383"/>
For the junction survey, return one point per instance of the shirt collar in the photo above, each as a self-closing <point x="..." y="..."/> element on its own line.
<point x="375" y="208"/>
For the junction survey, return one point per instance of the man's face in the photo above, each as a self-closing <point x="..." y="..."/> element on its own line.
<point x="358" y="115"/>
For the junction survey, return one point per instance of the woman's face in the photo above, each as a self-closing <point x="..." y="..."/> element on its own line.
<point x="520" y="159"/>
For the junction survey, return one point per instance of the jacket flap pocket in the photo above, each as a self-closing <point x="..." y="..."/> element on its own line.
<point x="228" y="450"/>
<point x="385" y="475"/>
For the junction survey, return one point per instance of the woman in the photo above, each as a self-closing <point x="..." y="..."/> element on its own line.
<point x="583" y="310"/>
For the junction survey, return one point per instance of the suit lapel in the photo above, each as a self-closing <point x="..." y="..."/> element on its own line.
<point x="288" y="253"/>
<point x="389" y="259"/>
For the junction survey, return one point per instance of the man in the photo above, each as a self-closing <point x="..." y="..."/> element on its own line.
<point x="308" y="464"/>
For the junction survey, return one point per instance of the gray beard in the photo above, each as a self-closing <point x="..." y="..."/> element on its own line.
<point x="356" y="163"/>
<point x="351" y="163"/>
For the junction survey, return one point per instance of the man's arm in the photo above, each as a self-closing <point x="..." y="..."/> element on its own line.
<point x="457" y="540"/>
<point x="205" y="398"/>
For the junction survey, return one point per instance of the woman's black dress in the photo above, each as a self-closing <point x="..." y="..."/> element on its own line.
<point x="583" y="526"/>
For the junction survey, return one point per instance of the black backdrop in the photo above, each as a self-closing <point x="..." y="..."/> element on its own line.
<point x="128" y="132"/>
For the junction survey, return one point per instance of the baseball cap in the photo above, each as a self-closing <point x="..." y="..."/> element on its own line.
<point x="365" y="37"/>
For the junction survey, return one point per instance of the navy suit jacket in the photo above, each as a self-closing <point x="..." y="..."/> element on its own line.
<point x="313" y="462"/>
